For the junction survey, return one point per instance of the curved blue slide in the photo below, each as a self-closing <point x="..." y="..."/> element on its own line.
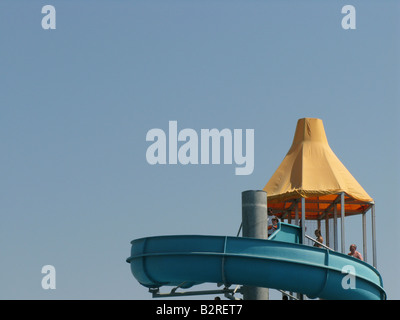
<point x="280" y="262"/>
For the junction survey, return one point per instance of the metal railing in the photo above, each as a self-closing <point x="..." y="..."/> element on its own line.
<point x="319" y="243"/>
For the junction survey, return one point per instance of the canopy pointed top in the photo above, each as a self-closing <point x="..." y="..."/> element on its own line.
<point x="309" y="129"/>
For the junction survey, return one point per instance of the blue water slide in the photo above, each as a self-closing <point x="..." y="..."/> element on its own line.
<point x="281" y="262"/>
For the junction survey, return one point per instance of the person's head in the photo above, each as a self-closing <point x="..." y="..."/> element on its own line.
<point x="274" y="220"/>
<point x="353" y="248"/>
<point x="317" y="232"/>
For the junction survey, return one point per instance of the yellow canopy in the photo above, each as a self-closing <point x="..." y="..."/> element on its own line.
<point x="311" y="170"/>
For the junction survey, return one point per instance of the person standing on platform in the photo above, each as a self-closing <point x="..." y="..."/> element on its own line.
<point x="319" y="238"/>
<point x="273" y="227"/>
<point x="354" y="253"/>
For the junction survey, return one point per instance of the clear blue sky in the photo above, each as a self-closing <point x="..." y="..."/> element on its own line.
<point x="76" y="104"/>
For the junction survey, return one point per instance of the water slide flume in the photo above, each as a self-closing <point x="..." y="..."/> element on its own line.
<point x="280" y="263"/>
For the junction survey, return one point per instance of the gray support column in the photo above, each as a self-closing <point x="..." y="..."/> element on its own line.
<point x="364" y="233"/>
<point x="255" y="225"/>
<point x="374" y="257"/>
<point x="342" y="214"/>
<point x="303" y="232"/>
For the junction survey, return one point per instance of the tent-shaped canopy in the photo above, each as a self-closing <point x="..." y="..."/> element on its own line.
<point x="312" y="171"/>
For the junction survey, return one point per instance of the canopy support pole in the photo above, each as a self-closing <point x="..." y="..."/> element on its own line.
<point x="374" y="258"/>
<point x="364" y="232"/>
<point x="342" y="214"/>
<point x="335" y="233"/>
<point x="303" y="220"/>
<point x="327" y="230"/>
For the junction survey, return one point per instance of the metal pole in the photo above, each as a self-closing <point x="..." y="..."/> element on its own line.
<point x="255" y="225"/>
<point x="342" y="214"/>
<point x="303" y="220"/>
<point x="327" y="230"/>
<point x="335" y="235"/>
<point x="364" y="232"/>
<point x="374" y="257"/>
